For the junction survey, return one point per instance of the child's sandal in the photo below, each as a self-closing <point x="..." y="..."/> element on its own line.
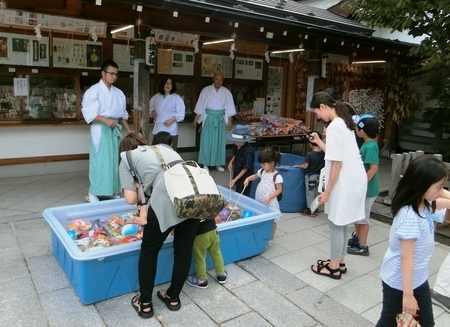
<point x="140" y="307"/>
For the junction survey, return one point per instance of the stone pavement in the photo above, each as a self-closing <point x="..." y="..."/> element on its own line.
<point x="276" y="288"/>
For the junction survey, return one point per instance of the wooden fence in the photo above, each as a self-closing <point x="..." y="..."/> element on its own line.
<point x="399" y="164"/>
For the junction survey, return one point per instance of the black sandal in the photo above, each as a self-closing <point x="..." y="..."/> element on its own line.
<point x="162" y="295"/>
<point x="342" y="267"/>
<point x="140" y="307"/>
<point x="331" y="271"/>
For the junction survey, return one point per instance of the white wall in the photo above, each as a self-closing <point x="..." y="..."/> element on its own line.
<point x="36" y="141"/>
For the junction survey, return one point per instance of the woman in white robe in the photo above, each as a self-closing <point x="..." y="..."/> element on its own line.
<point x="167" y="109"/>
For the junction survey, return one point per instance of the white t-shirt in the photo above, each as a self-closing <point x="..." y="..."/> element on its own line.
<point x="347" y="199"/>
<point x="407" y="225"/>
<point x="266" y="187"/>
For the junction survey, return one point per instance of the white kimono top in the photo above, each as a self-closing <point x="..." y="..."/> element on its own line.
<point x="166" y="108"/>
<point x="216" y="100"/>
<point x="347" y="199"/>
<point x="99" y="100"/>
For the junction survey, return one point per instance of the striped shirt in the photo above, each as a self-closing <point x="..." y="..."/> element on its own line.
<point x="408" y="225"/>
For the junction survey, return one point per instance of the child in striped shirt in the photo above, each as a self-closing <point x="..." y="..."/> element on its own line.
<point x="404" y="271"/>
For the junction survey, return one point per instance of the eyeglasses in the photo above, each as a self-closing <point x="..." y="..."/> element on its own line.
<point x="112" y="74"/>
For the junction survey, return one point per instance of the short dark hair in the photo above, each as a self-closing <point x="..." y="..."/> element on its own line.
<point x="420" y="174"/>
<point x="109" y="63"/>
<point x="162" y="138"/>
<point x="163" y="82"/>
<point x="370" y="126"/>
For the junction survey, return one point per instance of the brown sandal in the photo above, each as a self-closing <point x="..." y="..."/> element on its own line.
<point x="140" y="307"/>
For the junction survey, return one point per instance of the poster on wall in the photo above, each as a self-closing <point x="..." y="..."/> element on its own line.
<point x="55" y="23"/>
<point x="123" y="55"/>
<point x="212" y="64"/>
<point x="274" y="86"/>
<point x="248" y="68"/>
<point x="70" y="53"/>
<point x="19" y="49"/>
<point x="175" y="62"/>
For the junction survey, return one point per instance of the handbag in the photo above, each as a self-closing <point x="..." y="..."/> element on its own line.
<point x="192" y="191"/>
<point x="406" y="320"/>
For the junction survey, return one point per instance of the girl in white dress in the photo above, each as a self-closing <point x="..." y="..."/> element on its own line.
<point x="271" y="184"/>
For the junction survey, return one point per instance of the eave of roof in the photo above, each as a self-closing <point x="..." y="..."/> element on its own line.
<point x="282" y="12"/>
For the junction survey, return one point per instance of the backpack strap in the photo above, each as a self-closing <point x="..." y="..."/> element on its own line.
<point x="142" y="196"/>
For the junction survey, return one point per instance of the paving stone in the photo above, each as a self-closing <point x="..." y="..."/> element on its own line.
<point x="118" y="312"/>
<point x="12" y="265"/>
<point x="271" y="274"/>
<point x="7" y="237"/>
<point x="276" y="309"/>
<point x="350" y="295"/>
<point x="63" y="308"/>
<point x="298" y="223"/>
<point x="248" y="320"/>
<point x="216" y="301"/>
<point x="19" y="304"/>
<point x="39" y="267"/>
<point x="300" y="239"/>
<point x="326" y="310"/>
<point x="189" y="315"/>
<point x="34" y="237"/>
<point x="236" y="276"/>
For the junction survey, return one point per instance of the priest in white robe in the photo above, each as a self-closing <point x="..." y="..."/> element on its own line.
<point x="214" y="110"/>
<point x="104" y="108"/>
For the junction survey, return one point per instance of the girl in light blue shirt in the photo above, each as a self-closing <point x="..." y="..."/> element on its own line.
<point x="404" y="271"/>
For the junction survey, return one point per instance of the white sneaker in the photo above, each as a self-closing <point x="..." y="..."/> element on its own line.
<point x="92" y="198"/>
<point x="220" y="169"/>
<point x="116" y="196"/>
<point x="205" y="167"/>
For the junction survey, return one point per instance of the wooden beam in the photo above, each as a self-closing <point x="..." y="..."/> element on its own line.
<point x="43" y="159"/>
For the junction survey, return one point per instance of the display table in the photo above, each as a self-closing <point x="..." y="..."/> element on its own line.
<point x="288" y="139"/>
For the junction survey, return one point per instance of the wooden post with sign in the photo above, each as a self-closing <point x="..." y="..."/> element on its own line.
<point x="141" y="88"/>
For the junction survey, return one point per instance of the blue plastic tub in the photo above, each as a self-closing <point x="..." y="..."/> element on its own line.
<point x="294" y="197"/>
<point x="100" y="274"/>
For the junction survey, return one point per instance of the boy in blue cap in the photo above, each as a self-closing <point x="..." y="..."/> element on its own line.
<point x="367" y="129"/>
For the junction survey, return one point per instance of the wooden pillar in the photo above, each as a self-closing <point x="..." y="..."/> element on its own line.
<point x="141" y="86"/>
<point x="291" y="89"/>
<point x="314" y="73"/>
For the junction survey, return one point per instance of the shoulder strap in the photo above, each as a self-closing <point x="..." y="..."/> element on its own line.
<point x="159" y="156"/>
<point x="131" y="167"/>
<point x="142" y="196"/>
<point x="275" y="176"/>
